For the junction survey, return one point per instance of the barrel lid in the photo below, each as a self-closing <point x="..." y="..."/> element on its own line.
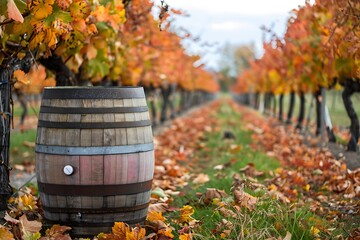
<point x="80" y="92"/>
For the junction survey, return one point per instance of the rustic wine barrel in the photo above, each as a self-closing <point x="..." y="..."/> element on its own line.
<point x="94" y="157"/>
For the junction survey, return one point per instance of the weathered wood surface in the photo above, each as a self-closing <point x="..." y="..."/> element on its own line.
<point x="97" y="169"/>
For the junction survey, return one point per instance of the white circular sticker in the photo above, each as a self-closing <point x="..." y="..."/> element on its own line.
<point x="68" y="170"/>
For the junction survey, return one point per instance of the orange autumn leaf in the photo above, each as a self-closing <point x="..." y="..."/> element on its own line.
<point x="80" y="26"/>
<point x="185" y="236"/>
<point x="21" y="77"/>
<point x="120" y="229"/>
<point x="42" y="8"/>
<point x="166" y="232"/>
<point x="34" y="81"/>
<point x="106" y="236"/>
<point x="49" y="82"/>
<point x="5" y="233"/>
<point x="136" y="234"/>
<point x="154" y="216"/>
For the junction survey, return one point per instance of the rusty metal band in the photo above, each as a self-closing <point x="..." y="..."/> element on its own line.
<point x="93" y="93"/>
<point x="96" y="211"/>
<point x="96" y="224"/>
<point x="99" y="110"/>
<point x="93" y="125"/>
<point x="89" y="151"/>
<point x="94" y="190"/>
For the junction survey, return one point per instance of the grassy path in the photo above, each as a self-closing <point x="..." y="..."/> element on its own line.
<point x="235" y="190"/>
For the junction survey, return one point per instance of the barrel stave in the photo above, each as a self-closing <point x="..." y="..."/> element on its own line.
<point x="78" y="131"/>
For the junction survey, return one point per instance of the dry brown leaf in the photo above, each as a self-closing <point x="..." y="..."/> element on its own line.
<point x="280" y="196"/>
<point x="211" y="194"/>
<point x="250" y="170"/>
<point x="288" y="236"/>
<point x="235" y="148"/>
<point x="244" y="199"/>
<point x="57" y="232"/>
<point x="11" y="219"/>
<point x="13" y="11"/>
<point x="201" y="178"/>
<point x="29" y="226"/>
<point x="29" y="144"/>
<point x="227" y="212"/>
<point x="158" y="207"/>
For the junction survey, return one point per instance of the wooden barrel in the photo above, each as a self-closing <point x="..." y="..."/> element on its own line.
<point x="94" y="157"/>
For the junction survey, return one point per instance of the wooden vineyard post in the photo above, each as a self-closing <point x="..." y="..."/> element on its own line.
<point x="322" y="115"/>
<point x="5" y="120"/>
<point x="6" y="72"/>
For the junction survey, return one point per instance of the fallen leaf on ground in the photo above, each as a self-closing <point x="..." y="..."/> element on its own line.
<point x="201" y="178"/>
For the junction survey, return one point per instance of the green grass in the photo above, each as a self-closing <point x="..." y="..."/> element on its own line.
<point x="270" y="218"/>
<point x="18" y="151"/>
<point x="334" y="103"/>
<point x="32" y="110"/>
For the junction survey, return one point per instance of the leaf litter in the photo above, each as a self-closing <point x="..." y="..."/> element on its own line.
<point x="308" y="176"/>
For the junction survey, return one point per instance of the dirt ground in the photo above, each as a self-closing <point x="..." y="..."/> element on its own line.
<point x="352" y="159"/>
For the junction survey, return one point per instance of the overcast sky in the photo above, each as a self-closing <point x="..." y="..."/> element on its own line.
<point x="217" y="22"/>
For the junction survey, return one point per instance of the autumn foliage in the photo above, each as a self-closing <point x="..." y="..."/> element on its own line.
<point x="100" y="42"/>
<point x="319" y="49"/>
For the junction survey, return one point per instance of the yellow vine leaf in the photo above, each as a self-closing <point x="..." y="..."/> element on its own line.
<point x="79" y="9"/>
<point x="185" y="214"/>
<point x="50" y="37"/>
<point x="39" y="38"/>
<point x="42" y="8"/>
<point x="14" y="12"/>
<point x="314" y="231"/>
<point x="5" y="233"/>
<point x="154" y="216"/>
<point x="27" y="202"/>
